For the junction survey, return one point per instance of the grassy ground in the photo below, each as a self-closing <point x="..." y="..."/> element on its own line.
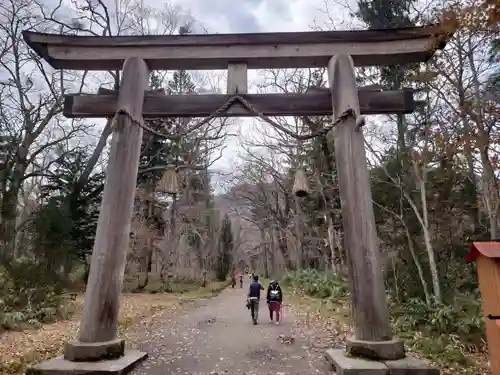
<point x="445" y="352"/>
<point x="20" y="349"/>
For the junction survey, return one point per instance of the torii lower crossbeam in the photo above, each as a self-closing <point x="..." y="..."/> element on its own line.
<point x="318" y="103"/>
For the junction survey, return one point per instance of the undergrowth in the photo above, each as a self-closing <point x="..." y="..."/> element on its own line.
<point x="30" y="296"/>
<point x="176" y="285"/>
<point x="451" y="335"/>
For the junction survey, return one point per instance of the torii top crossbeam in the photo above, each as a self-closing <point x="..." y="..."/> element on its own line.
<point x="258" y="51"/>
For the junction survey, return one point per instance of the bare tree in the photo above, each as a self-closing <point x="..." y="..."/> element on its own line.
<point x="31" y="97"/>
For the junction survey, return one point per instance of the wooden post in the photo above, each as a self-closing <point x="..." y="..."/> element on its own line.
<point x="237" y="83"/>
<point x="487" y="257"/>
<point x="369" y="302"/>
<point x="102" y="296"/>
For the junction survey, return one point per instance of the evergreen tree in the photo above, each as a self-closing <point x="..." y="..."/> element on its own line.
<point x="226" y="244"/>
<point x="158" y="151"/>
<point x="64" y="227"/>
<point x="183" y="150"/>
<point x="155" y="150"/>
<point x="385" y="14"/>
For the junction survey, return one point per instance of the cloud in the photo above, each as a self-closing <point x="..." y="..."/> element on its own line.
<point x="224" y="16"/>
<point x="249" y="16"/>
<point x="283" y="15"/>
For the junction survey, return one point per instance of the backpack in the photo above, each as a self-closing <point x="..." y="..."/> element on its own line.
<point x="274" y="294"/>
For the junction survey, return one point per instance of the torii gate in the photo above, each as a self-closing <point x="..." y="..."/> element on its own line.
<point x="340" y="51"/>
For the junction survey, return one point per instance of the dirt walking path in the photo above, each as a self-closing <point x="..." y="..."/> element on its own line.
<point x="217" y="337"/>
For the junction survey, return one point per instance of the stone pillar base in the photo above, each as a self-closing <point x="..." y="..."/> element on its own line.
<point x="61" y="366"/>
<point x="376" y="350"/>
<point x="77" y="351"/>
<point x="343" y="364"/>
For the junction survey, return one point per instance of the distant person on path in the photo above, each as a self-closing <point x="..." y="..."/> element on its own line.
<point x="274" y="300"/>
<point x="233" y="280"/>
<point x="241" y="281"/>
<point x="254" y="298"/>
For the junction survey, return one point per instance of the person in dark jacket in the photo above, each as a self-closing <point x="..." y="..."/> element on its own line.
<point x="274" y="300"/>
<point x="233" y="280"/>
<point x="254" y="298"/>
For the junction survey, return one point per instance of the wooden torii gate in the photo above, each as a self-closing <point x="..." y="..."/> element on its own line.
<point x="339" y="51"/>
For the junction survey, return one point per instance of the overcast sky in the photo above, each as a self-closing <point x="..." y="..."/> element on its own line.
<point x="257" y="15"/>
<point x="245" y="16"/>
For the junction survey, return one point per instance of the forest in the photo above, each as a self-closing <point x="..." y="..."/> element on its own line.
<point x="434" y="176"/>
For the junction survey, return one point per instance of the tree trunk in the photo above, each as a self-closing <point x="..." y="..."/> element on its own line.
<point x="146" y="263"/>
<point x="490" y="193"/>
<point x="418" y="265"/>
<point x="299" y="234"/>
<point x="331" y="242"/>
<point x="424" y="222"/>
<point x="283" y="246"/>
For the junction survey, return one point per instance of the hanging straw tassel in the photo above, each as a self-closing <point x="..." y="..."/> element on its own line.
<point x="300" y="186"/>
<point x="169" y="182"/>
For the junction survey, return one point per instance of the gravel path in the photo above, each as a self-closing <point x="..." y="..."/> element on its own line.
<point x="217" y="337"/>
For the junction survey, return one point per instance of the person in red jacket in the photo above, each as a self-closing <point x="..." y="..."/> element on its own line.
<point x="274" y="300"/>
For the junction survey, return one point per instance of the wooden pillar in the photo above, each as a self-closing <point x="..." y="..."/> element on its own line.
<point x="237" y="84"/>
<point x="102" y="296"/>
<point x="237" y="81"/>
<point x="487" y="257"/>
<point x="369" y="302"/>
<point x="489" y="285"/>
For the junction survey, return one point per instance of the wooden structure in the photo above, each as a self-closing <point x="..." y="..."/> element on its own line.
<point x="314" y="103"/>
<point x="487" y="257"/>
<point x="254" y="51"/>
<point x="340" y="51"/>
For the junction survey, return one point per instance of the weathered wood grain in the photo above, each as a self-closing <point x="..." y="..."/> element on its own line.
<point x="258" y="51"/>
<point x="369" y="303"/>
<point x="315" y="103"/>
<point x="102" y="296"/>
<point x="237" y="79"/>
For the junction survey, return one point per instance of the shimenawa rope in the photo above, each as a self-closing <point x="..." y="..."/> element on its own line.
<point x="360" y="121"/>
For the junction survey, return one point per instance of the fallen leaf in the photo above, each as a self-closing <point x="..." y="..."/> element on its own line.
<point x="19" y="350"/>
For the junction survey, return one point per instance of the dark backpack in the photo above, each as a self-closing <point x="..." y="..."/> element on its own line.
<point x="274" y="293"/>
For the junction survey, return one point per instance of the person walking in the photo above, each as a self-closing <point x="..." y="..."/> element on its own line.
<point x="241" y="281"/>
<point x="274" y="300"/>
<point x="233" y="280"/>
<point x="254" y="298"/>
